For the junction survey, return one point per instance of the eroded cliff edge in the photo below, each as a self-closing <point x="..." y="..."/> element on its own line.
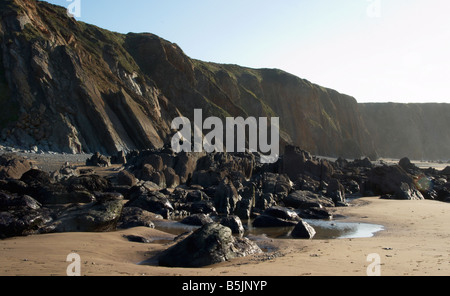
<point x="72" y="87"/>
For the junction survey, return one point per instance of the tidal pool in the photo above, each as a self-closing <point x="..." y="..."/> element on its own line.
<point x="325" y="229"/>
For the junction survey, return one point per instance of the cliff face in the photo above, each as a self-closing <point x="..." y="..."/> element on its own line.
<point x="73" y="87"/>
<point x="417" y="131"/>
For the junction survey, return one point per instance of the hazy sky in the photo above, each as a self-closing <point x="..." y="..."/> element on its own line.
<point x="374" y="50"/>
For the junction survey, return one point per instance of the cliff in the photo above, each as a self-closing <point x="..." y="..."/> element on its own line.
<point x="73" y="87"/>
<point x="416" y="131"/>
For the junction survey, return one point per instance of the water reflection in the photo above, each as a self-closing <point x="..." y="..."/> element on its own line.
<point x="325" y="229"/>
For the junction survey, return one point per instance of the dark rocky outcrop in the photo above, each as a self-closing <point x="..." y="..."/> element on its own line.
<point x="99" y="216"/>
<point x="277" y="217"/>
<point x="197" y="220"/>
<point x="13" y="166"/>
<point x="211" y="244"/>
<point x="136" y="217"/>
<point x="303" y="231"/>
<point x="306" y="199"/>
<point x="154" y="202"/>
<point x="393" y="180"/>
<point x="234" y="223"/>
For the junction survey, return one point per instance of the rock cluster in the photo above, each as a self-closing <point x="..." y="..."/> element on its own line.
<point x="197" y="189"/>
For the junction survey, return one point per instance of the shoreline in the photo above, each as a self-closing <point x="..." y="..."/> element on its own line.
<point x="414" y="242"/>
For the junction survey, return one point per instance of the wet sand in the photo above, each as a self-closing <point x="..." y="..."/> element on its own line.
<point x="414" y="242"/>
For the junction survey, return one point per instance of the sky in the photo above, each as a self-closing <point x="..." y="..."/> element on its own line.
<point x="373" y="50"/>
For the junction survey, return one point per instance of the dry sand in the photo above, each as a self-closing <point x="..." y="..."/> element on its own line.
<point x="415" y="242"/>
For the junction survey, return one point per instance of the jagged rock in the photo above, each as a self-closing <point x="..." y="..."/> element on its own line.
<point x="277" y="217"/>
<point x="211" y="244"/>
<point x="136" y="217"/>
<point x="361" y="163"/>
<point x="119" y="158"/>
<point x="65" y="172"/>
<point x="186" y="165"/>
<point x="234" y="223"/>
<point x="305" y="199"/>
<point x="303" y="231"/>
<point x="207" y="178"/>
<point x="443" y="192"/>
<point x="99" y="160"/>
<point x="100" y="216"/>
<point x="197" y="220"/>
<point x="172" y="179"/>
<point x="276" y="183"/>
<point x="409" y="167"/>
<point x="13" y="202"/>
<point x="23" y="222"/>
<point x="336" y="192"/>
<point x="43" y="188"/>
<point x="196" y="195"/>
<point x="88" y="182"/>
<point x="154" y="202"/>
<point x="13" y="166"/>
<point x="315" y="213"/>
<point x="36" y="177"/>
<point x="226" y="197"/>
<point x="126" y="178"/>
<point x="137" y="239"/>
<point x="341" y="162"/>
<point x="263" y="201"/>
<point x="202" y="207"/>
<point x="282" y="213"/>
<point x="297" y="162"/>
<point x="159" y="179"/>
<point x="446" y="171"/>
<point x="393" y="180"/>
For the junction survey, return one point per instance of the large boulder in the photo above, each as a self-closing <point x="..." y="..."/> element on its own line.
<point x="186" y="164"/>
<point x="99" y="160"/>
<point x="88" y="182"/>
<point x="276" y="183"/>
<point x="172" y="179"/>
<point x="126" y="178"/>
<point x="297" y="162"/>
<point x="152" y="201"/>
<point x="136" y="217"/>
<point x="394" y="181"/>
<point x="234" y="223"/>
<point x="41" y="186"/>
<point x="21" y="216"/>
<point x="408" y="166"/>
<point x="13" y="166"/>
<point x="211" y="244"/>
<point x="277" y="217"/>
<point x="336" y="192"/>
<point x="197" y="220"/>
<point x="226" y="197"/>
<point x="302" y="199"/>
<point x="446" y="171"/>
<point x="23" y="222"/>
<point x="303" y="231"/>
<point x="100" y="216"/>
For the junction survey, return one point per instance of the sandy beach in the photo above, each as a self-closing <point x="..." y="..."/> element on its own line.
<point x="414" y="243"/>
